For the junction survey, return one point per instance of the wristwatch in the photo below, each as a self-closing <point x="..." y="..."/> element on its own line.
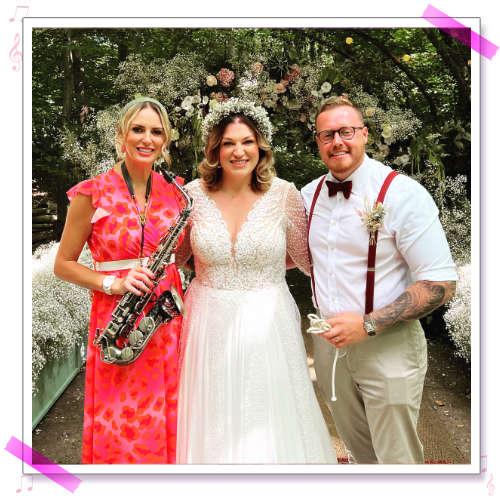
<point x="107" y="283"/>
<point x="368" y="325"/>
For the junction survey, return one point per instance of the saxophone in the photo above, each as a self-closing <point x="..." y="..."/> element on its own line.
<point x="122" y="341"/>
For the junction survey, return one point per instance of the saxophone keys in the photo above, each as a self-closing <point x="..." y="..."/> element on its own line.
<point x="147" y="324"/>
<point x="136" y="337"/>
<point x="127" y="354"/>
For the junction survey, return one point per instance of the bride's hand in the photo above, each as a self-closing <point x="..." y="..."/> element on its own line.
<point x="137" y="281"/>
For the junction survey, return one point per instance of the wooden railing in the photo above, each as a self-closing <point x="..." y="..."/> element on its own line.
<point x="43" y="224"/>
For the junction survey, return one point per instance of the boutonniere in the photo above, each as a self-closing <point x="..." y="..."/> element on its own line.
<point x="372" y="218"/>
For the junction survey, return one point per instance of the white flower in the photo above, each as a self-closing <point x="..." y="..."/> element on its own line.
<point x="458" y="315"/>
<point x="187" y="103"/>
<point x="234" y="106"/>
<point x="175" y="134"/>
<point x="60" y="310"/>
<point x="211" y="80"/>
<point x="386" y="131"/>
<point x="326" y="87"/>
<point x="372" y="217"/>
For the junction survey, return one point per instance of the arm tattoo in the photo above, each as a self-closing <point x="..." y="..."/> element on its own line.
<point x="416" y="302"/>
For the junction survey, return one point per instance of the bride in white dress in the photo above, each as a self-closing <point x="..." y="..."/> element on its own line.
<point x="245" y="395"/>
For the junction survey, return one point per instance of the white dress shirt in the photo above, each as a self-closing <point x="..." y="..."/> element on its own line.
<point x="411" y="243"/>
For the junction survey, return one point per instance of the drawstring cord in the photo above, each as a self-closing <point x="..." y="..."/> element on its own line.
<point x="319" y="325"/>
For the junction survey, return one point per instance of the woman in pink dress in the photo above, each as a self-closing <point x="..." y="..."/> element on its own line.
<point x="130" y="411"/>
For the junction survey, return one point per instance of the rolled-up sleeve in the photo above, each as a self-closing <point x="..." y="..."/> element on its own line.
<point x="419" y="235"/>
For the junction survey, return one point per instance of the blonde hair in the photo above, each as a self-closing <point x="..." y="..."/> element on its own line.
<point x="262" y="174"/>
<point x="337" y="102"/>
<point x="129" y="112"/>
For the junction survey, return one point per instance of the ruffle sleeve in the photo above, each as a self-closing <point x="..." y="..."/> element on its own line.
<point x="90" y="188"/>
<point x="296" y="234"/>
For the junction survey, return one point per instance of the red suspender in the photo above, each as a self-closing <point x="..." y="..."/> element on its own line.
<point x="372" y="248"/>
<point x="311" y="210"/>
<point x="372" y="251"/>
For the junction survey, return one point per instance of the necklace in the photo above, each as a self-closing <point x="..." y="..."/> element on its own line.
<point x="142" y="216"/>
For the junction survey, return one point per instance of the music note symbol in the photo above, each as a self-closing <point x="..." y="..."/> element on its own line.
<point x="29" y="478"/>
<point x="15" y="55"/>
<point x="20" y="7"/>
<point x="490" y="486"/>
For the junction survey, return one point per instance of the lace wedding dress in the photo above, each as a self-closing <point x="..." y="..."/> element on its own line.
<point x="245" y="395"/>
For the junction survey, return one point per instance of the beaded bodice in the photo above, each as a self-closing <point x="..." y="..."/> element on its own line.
<point x="275" y="225"/>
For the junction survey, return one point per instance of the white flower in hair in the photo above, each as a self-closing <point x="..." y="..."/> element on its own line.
<point x="235" y="106"/>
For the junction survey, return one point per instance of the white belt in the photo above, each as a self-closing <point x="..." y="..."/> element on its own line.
<point x="118" y="265"/>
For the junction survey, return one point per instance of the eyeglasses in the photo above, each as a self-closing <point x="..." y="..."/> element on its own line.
<point x="345" y="133"/>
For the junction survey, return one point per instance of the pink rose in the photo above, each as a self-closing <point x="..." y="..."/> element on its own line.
<point x="225" y="77"/>
<point x="257" y="67"/>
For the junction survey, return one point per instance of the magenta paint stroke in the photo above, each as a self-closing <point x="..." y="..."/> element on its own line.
<point x="42" y="464"/>
<point x="460" y="32"/>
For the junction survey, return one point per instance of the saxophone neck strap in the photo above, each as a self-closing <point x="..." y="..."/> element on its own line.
<point x="130" y="187"/>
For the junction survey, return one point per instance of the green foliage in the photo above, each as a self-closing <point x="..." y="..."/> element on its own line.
<point x="412" y="84"/>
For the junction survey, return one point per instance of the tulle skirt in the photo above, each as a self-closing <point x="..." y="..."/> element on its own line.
<point x="245" y="394"/>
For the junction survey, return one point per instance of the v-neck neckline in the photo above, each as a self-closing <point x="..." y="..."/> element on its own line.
<point x="125" y="188"/>
<point x="223" y="221"/>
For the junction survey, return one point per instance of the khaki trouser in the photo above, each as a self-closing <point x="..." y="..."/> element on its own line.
<point x="378" y="384"/>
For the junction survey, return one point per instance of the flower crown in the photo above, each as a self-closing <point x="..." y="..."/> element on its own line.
<point x="235" y="106"/>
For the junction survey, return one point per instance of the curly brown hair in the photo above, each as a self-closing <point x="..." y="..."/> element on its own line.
<point x="263" y="173"/>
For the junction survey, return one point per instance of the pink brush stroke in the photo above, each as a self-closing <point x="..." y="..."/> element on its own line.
<point x="460" y="32"/>
<point x="42" y="464"/>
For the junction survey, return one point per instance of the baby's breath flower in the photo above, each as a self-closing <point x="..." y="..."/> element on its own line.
<point x="60" y="311"/>
<point x="458" y="315"/>
<point x="237" y="106"/>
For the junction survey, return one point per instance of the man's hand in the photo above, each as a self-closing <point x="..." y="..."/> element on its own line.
<point x="347" y="328"/>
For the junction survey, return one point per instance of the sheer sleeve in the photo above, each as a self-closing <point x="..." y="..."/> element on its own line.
<point x="184" y="250"/>
<point x="296" y="234"/>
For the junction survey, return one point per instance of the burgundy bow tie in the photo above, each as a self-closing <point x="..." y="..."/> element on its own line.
<point x="335" y="187"/>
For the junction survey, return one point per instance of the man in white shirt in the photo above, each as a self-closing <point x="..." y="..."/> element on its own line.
<point x="382" y="359"/>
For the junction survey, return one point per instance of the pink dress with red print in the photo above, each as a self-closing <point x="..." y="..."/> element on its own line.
<point x="130" y="411"/>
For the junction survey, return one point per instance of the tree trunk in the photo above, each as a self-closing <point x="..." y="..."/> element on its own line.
<point x="68" y="97"/>
<point x="455" y="63"/>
